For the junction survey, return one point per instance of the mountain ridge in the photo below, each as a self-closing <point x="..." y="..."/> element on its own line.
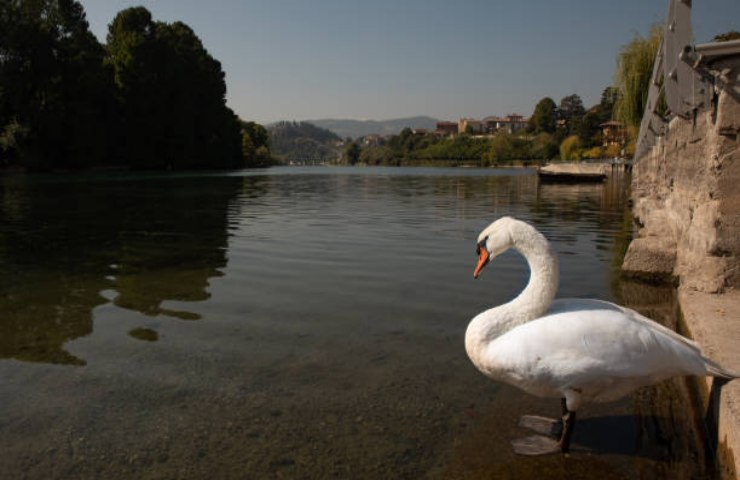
<point x="345" y="127"/>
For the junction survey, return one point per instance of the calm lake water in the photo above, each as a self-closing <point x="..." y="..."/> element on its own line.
<point x="299" y="323"/>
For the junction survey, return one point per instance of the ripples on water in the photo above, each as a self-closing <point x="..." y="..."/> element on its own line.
<point x="292" y="323"/>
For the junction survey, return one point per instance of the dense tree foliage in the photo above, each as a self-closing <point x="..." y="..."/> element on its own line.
<point x="589" y="128"/>
<point x="352" y="153"/>
<point x="543" y="146"/>
<point x="571" y="108"/>
<point x="462" y="147"/>
<point x="172" y="95"/>
<point x="409" y="148"/>
<point x="727" y="36"/>
<point x="569" y="116"/>
<point x="609" y="98"/>
<point x="634" y="72"/>
<point x="56" y="96"/>
<point x="256" y="145"/>
<point x="569" y="149"/>
<point x="152" y="97"/>
<point x="303" y="142"/>
<point x="544" y="117"/>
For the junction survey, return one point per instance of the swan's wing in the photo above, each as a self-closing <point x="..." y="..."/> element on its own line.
<point x="574" y="304"/>
<point x="585" y="342"/>
<point x="710" y="367"/>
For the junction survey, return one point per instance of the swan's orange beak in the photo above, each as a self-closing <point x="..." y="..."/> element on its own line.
<point x="482" y="261"/>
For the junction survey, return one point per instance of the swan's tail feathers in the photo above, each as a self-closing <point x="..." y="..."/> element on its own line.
<point x="715" y="370"/>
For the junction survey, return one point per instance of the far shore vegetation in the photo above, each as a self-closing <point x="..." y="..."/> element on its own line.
<point x="550" y="128"/>
<point x="152" y="97"/>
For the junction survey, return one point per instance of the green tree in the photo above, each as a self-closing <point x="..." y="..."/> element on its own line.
<point x="403" y="145"/>
<point x="152" y="98"/>
<point x="352" y="153"/>
<point x="727" y="36"/>
<point x="633" y="76"/>
<point x="255" y="145"/>
<point x="502" y="147"/>
<point x="609" y="97"/>
<point x="172" y="96"/>
<point x="377" y="155"/>
<point x="570" y="148"/>
<point x="303" y="142"/>
<point x="571" y="108"/>
<point x="55" y="94"/>
<point x="257" y="132"/>
<point x="589" y="130"/>
<point x="543" y="147"/>
<point x="543" y="118"/>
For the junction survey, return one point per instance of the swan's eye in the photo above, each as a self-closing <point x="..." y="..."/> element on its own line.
<point x="481" y="245"/>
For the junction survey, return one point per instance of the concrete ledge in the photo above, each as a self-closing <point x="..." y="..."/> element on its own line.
<point x="714" y="322"/>
<point x="650" y="259"/>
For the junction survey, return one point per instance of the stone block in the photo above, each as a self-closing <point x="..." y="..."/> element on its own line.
<point x="650" y="259"/>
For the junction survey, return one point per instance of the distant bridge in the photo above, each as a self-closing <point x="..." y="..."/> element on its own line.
<point x="688" y="76"/>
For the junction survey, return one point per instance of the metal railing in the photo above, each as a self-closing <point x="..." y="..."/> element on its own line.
<point x="682" y="73"/>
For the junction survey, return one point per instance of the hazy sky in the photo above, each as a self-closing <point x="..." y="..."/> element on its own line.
<point x="381" y="59"/>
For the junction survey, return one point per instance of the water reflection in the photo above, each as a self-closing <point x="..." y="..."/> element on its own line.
<point x="150" y="241"/>
<point x="333" y="304"/>
<point x="664" y="431"/>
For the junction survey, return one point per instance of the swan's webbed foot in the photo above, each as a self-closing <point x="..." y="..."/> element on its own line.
<point x="542" y="425"/>
<point x="535" y="445"/>
<point x="554" y="438"/>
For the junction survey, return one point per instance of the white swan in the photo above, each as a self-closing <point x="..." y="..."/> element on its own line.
<point x="578" y="350"/>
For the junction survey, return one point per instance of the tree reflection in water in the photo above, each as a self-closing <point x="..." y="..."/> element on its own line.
<point x="144" y="241"/>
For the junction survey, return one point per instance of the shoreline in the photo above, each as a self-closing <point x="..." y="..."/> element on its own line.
<point x="685" y="201"/>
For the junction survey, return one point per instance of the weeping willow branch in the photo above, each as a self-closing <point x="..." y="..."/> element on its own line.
<point x="634" y="69"/>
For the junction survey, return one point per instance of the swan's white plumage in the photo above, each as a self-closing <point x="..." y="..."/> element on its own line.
<point x="579" y="349"/>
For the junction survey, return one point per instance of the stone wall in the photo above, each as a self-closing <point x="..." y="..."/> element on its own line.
<point x="686" y="199"/>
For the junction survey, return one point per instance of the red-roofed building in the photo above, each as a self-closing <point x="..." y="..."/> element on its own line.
<point x="446" y="128"/>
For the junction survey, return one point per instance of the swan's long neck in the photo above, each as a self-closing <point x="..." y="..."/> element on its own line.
<point x="531" y="303"/>
<point x="540" y="291"/>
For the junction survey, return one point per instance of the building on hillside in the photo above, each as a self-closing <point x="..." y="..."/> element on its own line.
<point x="514" y="122"/>
<point x="511" y="123"/>
<point x="492" y="123"/>
<point x="470" y="125"/>
<point x="372" y="140"/>
<point x="613" y="133"/>
<point x="445" y="129"/>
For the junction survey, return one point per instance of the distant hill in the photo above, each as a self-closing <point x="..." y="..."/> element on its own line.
<point x="359" y="128"/>
<point x="303" y="142"/>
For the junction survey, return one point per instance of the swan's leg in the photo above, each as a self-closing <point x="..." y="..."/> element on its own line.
<point x="569" y="405"/>
<point x="569" y="422"/>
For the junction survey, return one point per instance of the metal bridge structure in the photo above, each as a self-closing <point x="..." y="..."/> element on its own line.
<point x="686" y="77"/>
